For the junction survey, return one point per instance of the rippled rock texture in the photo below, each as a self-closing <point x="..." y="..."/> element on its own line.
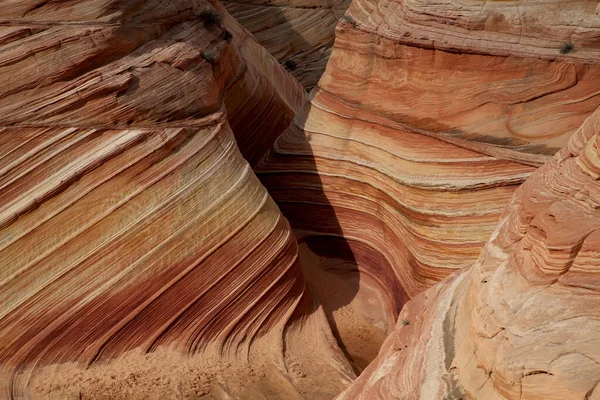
<point x="522" y="323"/>
<point x="140" y="257"/>
<point x="486" y="75"/>
<point x="298" y="33"/>
<point x="427" y="119"/>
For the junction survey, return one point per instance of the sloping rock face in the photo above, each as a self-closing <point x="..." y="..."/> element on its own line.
<point x="94" y="56"/>
<point x="140" y="257"/>
<point x="428" y="117"/>
<point x="487" y="75"/>
<point x="522" y="323"/>
<point x="298" y="33"/>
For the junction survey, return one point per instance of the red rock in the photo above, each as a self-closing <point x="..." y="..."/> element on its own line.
<point x="140" y="257"/>
<point x="425" y="122"/>
<point x="522" y="321"/>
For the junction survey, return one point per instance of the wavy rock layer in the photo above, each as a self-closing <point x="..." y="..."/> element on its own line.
<point x="298" y="33"/>
<point x="522" y="323"/>
<point x="510" y="28"/>
<point x="67" y="68"/>
<point x="140" y="257"/>
<point x="398" y="169"/>
<point x="488" y="76"/>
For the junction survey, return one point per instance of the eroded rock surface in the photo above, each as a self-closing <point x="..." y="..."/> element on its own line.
<point x="522" y="323"/>
<point x="427" y="119"/>
<point x="487" y="75"/>
<point x="140" y="257"/>
<point x="298" y="33"/>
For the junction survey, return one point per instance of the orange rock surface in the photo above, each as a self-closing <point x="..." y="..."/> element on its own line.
<point x="522" y="323"/>
<point x="152" y="153"/>
<point x="486" y="75"/>
<point x="140" y="257"/>
<point x="397" y="170"/>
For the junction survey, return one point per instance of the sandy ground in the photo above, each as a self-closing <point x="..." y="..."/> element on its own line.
<point x="354" y="310"/>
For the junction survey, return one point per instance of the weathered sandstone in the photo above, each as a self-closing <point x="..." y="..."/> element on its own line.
<point x="522" y="323"/>
<point x="424" y="123"/>
<point x="298" y="33"/>
<point x="487" y="75"/>
<point x="140" y="257"/>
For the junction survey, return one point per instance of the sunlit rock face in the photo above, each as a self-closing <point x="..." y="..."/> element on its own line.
<point x="487" y="75"/>
<point x="522" y="323"/>
<point x="298" y="33"/>
<point x="427" y="119"/>
<point x="140" y="257"/>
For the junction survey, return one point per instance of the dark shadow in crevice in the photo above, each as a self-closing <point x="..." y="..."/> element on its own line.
<point x="330" y="260"/>
<point x="277" y="32"/>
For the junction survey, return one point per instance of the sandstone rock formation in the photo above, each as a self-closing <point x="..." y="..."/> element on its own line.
<point x="298" y="33"/>
<point x="140" y="257"/>
<point x="522" y="323"/>
<point x="428" y="117"/>
<point x="488" y="76"/>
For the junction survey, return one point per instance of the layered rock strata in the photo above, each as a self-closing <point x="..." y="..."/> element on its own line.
<point x="428" y="117"/>
<point x="140" y="257"/>
<point x="522" y="323"/>
<point x="298" y="33"/>
<point x="487" y="75"/>
<point x="411" y="145"/>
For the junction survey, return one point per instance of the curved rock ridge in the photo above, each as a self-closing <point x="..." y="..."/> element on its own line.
<point x="298" y="33"/>
<point x="380" y="183"/>
<point x="113" y="71"/>
<point x="389" y="212"/>
<point x="397" y="171"/>
<point x="140" y="257"/>
<point x="448" y="70"/>
<point x="427" y="145"/>
<point x="509" y="28"/>
<point x="522" y="323"/>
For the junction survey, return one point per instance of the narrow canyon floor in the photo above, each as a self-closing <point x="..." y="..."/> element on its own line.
<point x="355" y="312"/>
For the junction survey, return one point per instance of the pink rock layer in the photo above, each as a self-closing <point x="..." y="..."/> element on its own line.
<point x="140" y="257"/>
<point x="409" y="153"/>
<point x="522" y="322"/>
<point x="489" y="76"/>
<point x="426" y="121"/>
